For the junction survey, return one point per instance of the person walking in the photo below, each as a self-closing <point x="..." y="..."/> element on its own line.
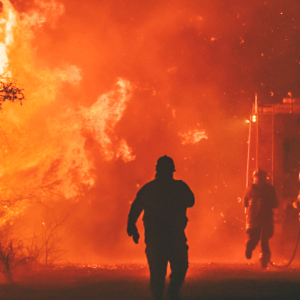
<point x="260" y="200"/>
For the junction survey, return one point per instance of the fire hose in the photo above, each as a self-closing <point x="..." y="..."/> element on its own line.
<point x="286" y="265"/>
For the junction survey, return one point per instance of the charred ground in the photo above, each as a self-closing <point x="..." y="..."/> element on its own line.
<point x="204" y="281"/>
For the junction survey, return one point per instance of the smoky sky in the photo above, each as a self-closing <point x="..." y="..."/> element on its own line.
<point x="192" y="64"/>
<point x="236" y="47"/>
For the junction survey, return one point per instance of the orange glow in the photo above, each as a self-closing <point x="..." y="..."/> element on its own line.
<point x="125" y="152"/>
<point x="103" y="116"/>
<point x="89" y="132"/>
<point x="7" y="25"/>
<point x="193" y="136"/>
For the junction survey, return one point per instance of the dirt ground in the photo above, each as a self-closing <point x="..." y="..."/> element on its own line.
<point x="204" y="281"/>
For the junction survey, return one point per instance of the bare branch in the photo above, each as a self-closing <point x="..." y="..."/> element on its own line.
<point x="10" y="92"/>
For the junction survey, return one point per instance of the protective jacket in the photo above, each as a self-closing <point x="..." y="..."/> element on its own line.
<point x="164" y="202"/>
<point x="259" y="200"/>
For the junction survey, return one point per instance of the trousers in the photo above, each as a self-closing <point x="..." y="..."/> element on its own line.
<point x="158" y="257"/>
<point x="262" y="234"/>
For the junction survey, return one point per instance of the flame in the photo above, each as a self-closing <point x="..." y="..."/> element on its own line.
<point x="47" y="11"/>
<point x="7" y="24"/>
<point x="103" y="116"/>
<point x="42" y="142"/>
<point x="192" y="136"/>
<point x="125" y="152"/>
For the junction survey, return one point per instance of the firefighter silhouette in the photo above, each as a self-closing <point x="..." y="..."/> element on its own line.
<point x="164" y="201"/>
<point x="260" y="199"/>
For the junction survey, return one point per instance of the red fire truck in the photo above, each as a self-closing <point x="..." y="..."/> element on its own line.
<point x="274" y="146"/>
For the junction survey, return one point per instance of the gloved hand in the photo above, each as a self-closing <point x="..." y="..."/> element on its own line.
<point x="136" y="237"/>
<point x="133" y="231"/>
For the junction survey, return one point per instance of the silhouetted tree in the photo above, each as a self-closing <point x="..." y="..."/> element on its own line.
<point x="12" y="255"/>
<point x="11" y="252"/>
<point x="10" y="92"/>
<point x="42" y="245"/>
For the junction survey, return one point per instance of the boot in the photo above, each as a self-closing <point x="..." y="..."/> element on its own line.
<point x="173" y="295"/>
<point x="264" y="259"/>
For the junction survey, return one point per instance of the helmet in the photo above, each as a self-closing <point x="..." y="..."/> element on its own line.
<point x="165" y="164"/>
<point x="259" y="173"/>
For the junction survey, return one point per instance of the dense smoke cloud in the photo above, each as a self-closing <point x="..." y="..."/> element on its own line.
<point x="189" y="67"/>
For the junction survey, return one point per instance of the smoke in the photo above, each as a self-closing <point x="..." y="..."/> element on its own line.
<point x="110" y="86"/>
